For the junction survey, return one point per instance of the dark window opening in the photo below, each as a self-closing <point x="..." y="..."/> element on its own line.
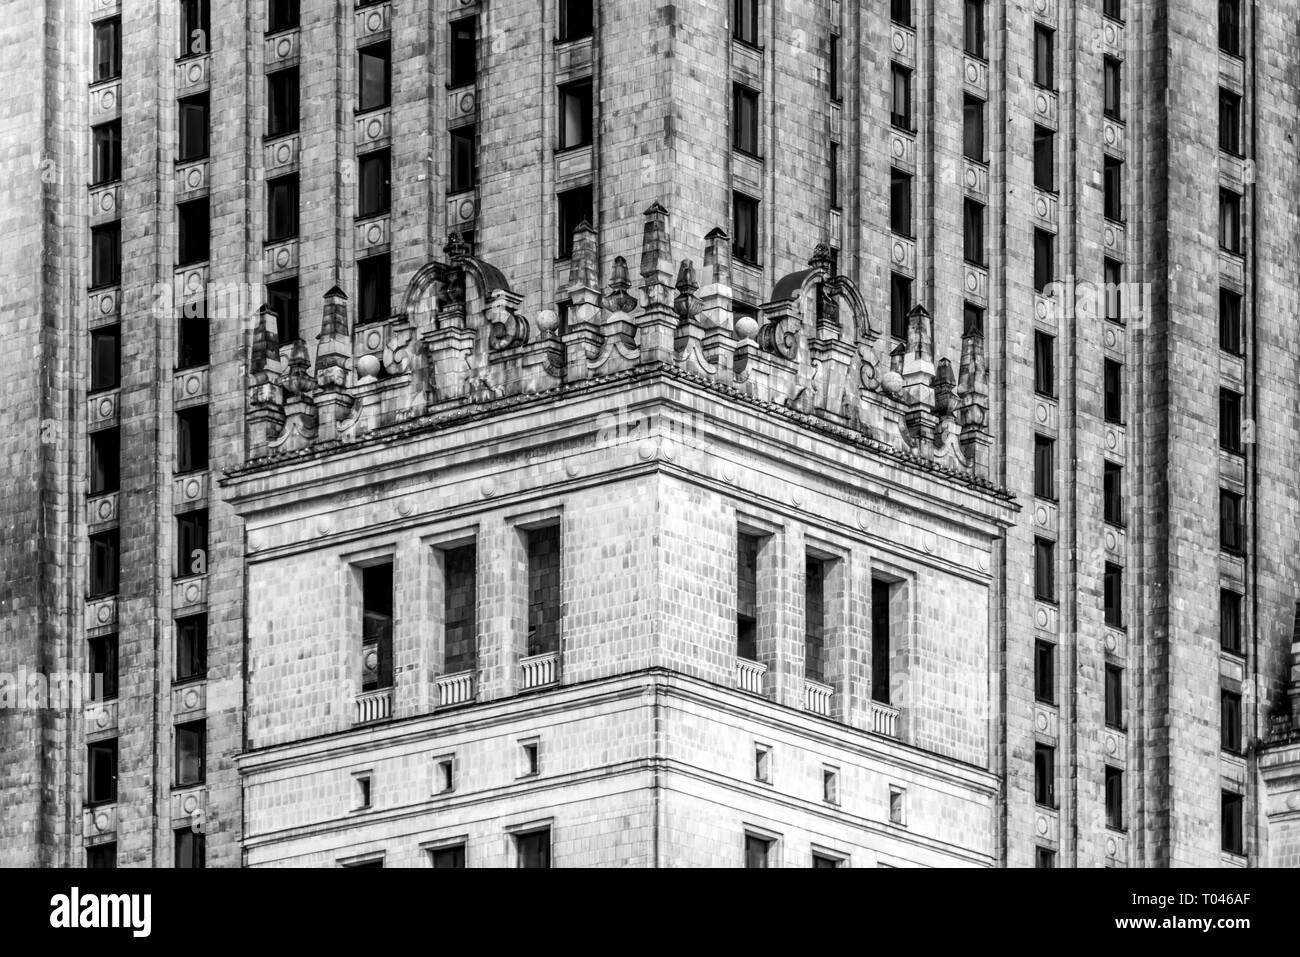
<point x="1045" y="468"/>
<point x="745" y="119"/>
<point x="1114" y="798"/>
<point x="101" y="772"/>
<point x="1045" y="672"/>
<point x="191" y="647"/>
<point x="1230" y="721"/>
<point x="544" y="590"/>
<point x="1115" y="697"/>
<point x="1112" y="72"/>
<point x="464" y="52"/>
<point x="745" y="231"/>
<point x="108" y="49"/>
<point x="192" y="439"/>
<point x="282" y="102"/>
<point x="900" y="113"/>
<point x="1044" y="159"/>
<point x="102" y="661"/>
<point x="105" y="255"/>
<point x="191" y="849"/>
<point x="192" y="543"/>
<point x="377" y="626"/>
<point x="1230" y="220"/>
<point x="756" y="851"/>
<point x="191" y="749"/>
<point x="1229" y="122"/>
<point x="106" y="166"/>
<point x="193" y="230"/>
<point x="1044" y="364"/>
<point x="1044" y="260"/>
<point x="191" y="342"/>
<point x="105" y="461"/>
<point x="453" y="856"/>
<point x="373" y="283"/>
<point x="973" y="128"/>
<point x="1231" y="825"/>
<point x="282" y="208"/>
<point x="464" y="158"/>
<point x="1230" y="621"/>
<point x="975" y="28"/>
<point x="1230" y="420"/>
<point x="1112" y="496"/>
<point x="1113" y="391"/>
<point x="460" y="609"/>
<point x="900" y="11"/>
<point x="1113" y="277"/>
<point x="900" y="202"/>
<point x="534" y="848"/>
<point x="575" y="115"/>
<point x="814" y="631"/>
<point x="1044" y="570"/>
<point x="374" y="74"/>
<point x="1045" y="775"/>
<point x="1113" y="595"/>
<point x="1232" y="528"/>
<point x="282" y="300"/>
<point x="1113" y="189"/>
<point x="882" y="592"/>
<point x="1230" y="26"/>
<point x="1044" y="70"/>
<point x="747" y="547"/>
<point x="1230" y="321"/>
<point x="373" y="183"/>
<point x="575" y="207"/>
<point x="102" y="856"/>
<point x="104" y="563"/>
<point x="196" y="27"/>
<point x="577" y="19"/>
<point x="193" y="128"/>
<point x="281" y="15"/>
<point x="973" y="232"/>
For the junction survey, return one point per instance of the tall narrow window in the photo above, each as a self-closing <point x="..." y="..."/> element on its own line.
<point x="460" y="609"/>
<point x="196" y="27"/>
<point x="900" y="111"/>
<point x="1230" y="420"/>
<point x="373" y="285"/>
<point x="1044" y="159"/>
<point x="1045" y="858"/>
<point x="282" y="102"/>
<point x="881" y="640"/>
<point x="101" y="772"/>
<point x="192" y="439"/>
<point x="1113" y="189"/>
<point x="463" y="69"/>
<point x="833" y="67"/>
<point x="1112" y="392"/>
<point x="1230" y="321"/>
<point x="972" y="318"/>
<point x="1115" y="697"/>
<point x="191" y="647"/>
<point x="814" y="630"/>
<point x="975" y="28"/>
<point x="1230" y="26"/>
<point x="464" y="158"/>
<point x="102" y="661"/>
<point x="744" y="21"/>
<point x="374" y="75"/>
<point x="282" y="208"/>
<point x="575" y="208"/>
<point x="1230" y="621"/>
<point x="1044" y="363"/>
<point x="1044" y="260"/>
<point x="575" y="114"/>
<point x="1229" y="122"/>
<point x="191" y="342"/>
<point x="105" y="461"/>
<point x="747" y="596"/>
<point x="900" y="202"/>
<point x="102" y="856"/>
<point x="1044" y="70"/>
<point x="377" y="626"/>
<point x="281" y="15"/>
<point x="1044" y="569"/>
<point x="833" y="175"/>
<point x="453" y="856"/>
<point x="192" y="543"/>
<point x="1114" y="798"/>
<point x="744" y="131"/>
<point x="544" y="590"/>
<point x="900" y="11"/>
<point x="282" y="300"/>
<point x="1112" y="72"/>
<point x="577" y="19"/>
<point x="1113" y="9"/>
<point x="1044" y="468"/>
<point x="1112" y="497"/>
<point x="745" y="232"/>
<point x="1230" y="220"/>
<point x="757" y="850"/>
<point x="105" y="255"/>
<point x="900" y="304"/>
<point x="1045" y="672"/>
<point x="108" y="49"/>
<point x="1113" y="595"/>
<point x="104" y="563"/>
<point x="107" y="152"/>
<point x="105" y="357"/>
<point x="973" y="128"/>
<point x="534" y="848"/>
<point x="193" y="128"/>
<point x="193" y="231"/>
<point x="1231" y="829"/>
<point x="1113" y="277"/>
<point x="373" y="183"/>
<point x="1045" y="775"/>
<point x="1230" y="721"/>
<point x="973" y="232"/>
<point x="191" y="741"/>
<point x="1232" y="530"/>
<point x="191" y="848"/>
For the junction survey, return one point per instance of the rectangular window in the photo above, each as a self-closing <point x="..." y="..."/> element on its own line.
<point x="105" y="357"/>
<point x="193" y="232"/>
<point x="102" y="661"/>
<point x="1044" y="857"/>
<point x="833" y="175"/>
<point x="1230" y="321"/>
<point x="744" y="119"/>
<point x="282" y="300"/>
<point x="281" y="15"/>
<point x="744" y="21"/>
<point x="377" y="626"/>
<point x="192" y="439"/>
<point x="1044" y="468"/>
<point x="192" y="126"/>
<point x="900" y="11"/>
<point x="453" y="856"/>
<point x="282" y="208"/>
<point x="831" y="785"/>
<point x="973" y="232"/>
<point x="106" y="165"/>
<point x="1112" y="9"/>
<point x="900" y="111"/>
<point x="1230" y="804"/>
<point x="1044" y="264"/>
<point x="1232" y="529"/>
<point x="191" y="647"/>
<point x="973" y="128"/>
<point x="1230" y="420"/>
<point x="762" y="763"/>
<point x="1230" y="26"/>
<point x="196" y="27"/>
<point x="1112" y="496"/>
<point x="972" y="319"/>
<point x="975" y="28"/>
<point x="1230" y="220"/>
<point x="1114" y="798"/>
<point x="1113" y="277"/>
<point x="1113" y="589"/>
<point x="1044" y="569"/>
<point x="191" y="342"/>
<point x="1114" y="697"/>
<point x="1045" y="672"/>
<point x="534" y="848"/>
<point x="191" y="851"/>
<point x="374" y="76"/>
<point x="821" y="860"/>
<point x="575" y="115"/>
<point x="575" y="208"/>
<point x="463" y="69"/>
<point x="108" y="49"/>
<point x="105" y="461"/>
<point x="1113" y="189"/>
<point x="881" y="638"/>
<point x="1044" y="70"/>
<point x="747" y="596"/>
<point x="1229" y="122"/>
<point x="897" y="806"/>
<point x="756" y="851"/>
<point x="544" y="590"/>
<point x="1230" y="621"/>
<point x="833" y="67"/>
<point x="192" y="543"/>
<point x="814" y="629"/>
<point x="464" y="158"/>
<point x="1112" y="71"/>
<point x="745" y="232"/>
<point x="900" y="304"/>
<point x="101" y="772"/>
<point x="373" y="183"/>
<point x="191" y="740"/>
<point x="1113" y="391"/>
<point x="104" y="563"/>
<point x="282" y="102"/>
<point x="105" y="255"/>
<point x="1044" y="363"/>
<point x="1044" y="159"/>
<point x="577" y="19"/>
<point x="102" y="856"/>
<point x="900" y="202"/>
<point x="373" y="285"/>
<point x="1045" y="775"/>
<point x="1230" y="720"/>
<point x="460" y="609"/>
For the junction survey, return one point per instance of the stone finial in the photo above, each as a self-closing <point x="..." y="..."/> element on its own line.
<point x="264" y="352"/>
<point x="973" y="376"/>
<point x="619" y="299"/>
<point x="920" y="336"/>
<point x="656" y="248"/>
<point x="582" y="262"/>
<point x="945" y="385"/>
<point x="823" y="259"/>
<point x="456" y="248"/>
<point x="717" y="257"/>
<point x="297" y="379"/>
<point x="334" y="343"/>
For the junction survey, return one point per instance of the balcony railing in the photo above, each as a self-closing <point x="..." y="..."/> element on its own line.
<point x="817" y="697"/>
<point x="884" y="719"/>
<point x="749" y="675"/>
<point x="375" y="706"/>
<point x="539" y="670"/>
<point x="455" y="689"/>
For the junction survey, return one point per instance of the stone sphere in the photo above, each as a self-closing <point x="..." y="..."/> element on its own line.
<point x="368" y="366"/>
<point x="746" y="327"/>
<point x="548" y="320"/>
<point x="891" y="382"/>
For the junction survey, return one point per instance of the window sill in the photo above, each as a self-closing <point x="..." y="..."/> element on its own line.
<point x="903" y="127"/>
<point x="191" y="680"/>
<point x="1235" y="56"/>
<point x="361" y="218"/>
<point x="268" y="136"/>
<point x="1118" y="118"/>
<point x="1045" y="395"/>
<point x="103" y="597"/>
<point x="192" y="56"/>
<point x="278" y="30"/>
<point x="186" y="787"/>
<point x="1121" y="526"/>
<point x="182" y="160"/>
<point x="1045" y="89"/>
<point x="1231" y="653"/>
<point x="1047" y="601"/>
<point x="115" y="181"/>
<point x="279" y="239"/>
<point x="561" y="150"/>
<point x="1112" y="221"/>
<point x="1045" y="702"/>
<point x="105" y="80"/>
<point x="744" y="152"/>
<point x="104" y="285"/>
<point x="747" y="44"/>
<point x="104" y="802"/>
<point x="977" y="56"/>
<point x="372" y="109"/>
<point x="561" y="41"/>
<point x="1116" y="727"/>
<point x="1118" y="423"/>
<point x="1235" y="453"/>
<point x="467" y="85"/>
<point x="1117" y="829"/>
<point x="1235" y="154"/>
<point x="979" y="265"/>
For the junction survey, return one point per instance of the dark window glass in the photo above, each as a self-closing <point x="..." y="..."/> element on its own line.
<point x="191" y="647"/>
<point x="191" y="739"/>
<point x="192" y="439"/>
<point x="973" y="232"/>
<point x="191" y="850"/>
<point x="1230" y="220"/>
<point x="900" y="304"/>
<point x="282" y="102"/>
<point x="745" y="233"/>
<point x="575" y="207"/>
<point x="105" y="461"/>
<point x="281" y="15"/>
<point x="102" y="856"/>
<point x="1044" y="265"/>
<point x="1113" y="589"/>
<point x="973" y="128"/>
<point x="1044" y="468"/>
<point x="105" y="357"/>
<point x="1044" y="71"/>
<point x="1112" y="9"/>
<point x="544" y="590"/>
<point x="1231" y="819"/>
<point x="1230" y="621"/>
<point x="105" y="255"/>
<point x="972" y="319"/>
<point x="881" y="635"/>
<point x="1230" y="26"/>
<point x="1044" y="159"/>
<point x="193" y="127"/>
<point x="196" y="27"/>
<point x="821" y="860"/>
<point x="373" y="183"/>
<point x="1230" y="321"/>
<point x="1230" y="720"/>
<point x="374" y="283"/>
<point x="1045" y="858"/>
<point x="1232" y="530"/>
<point x="1113" y="189"/>
<point x="534" y="849"/>
<point x="448" y="856"/>
<point x="1113" y="391"/>
<point x="1114" y="696"/>
<point x="1044" y="569"/>
<point x="577" y="19"/>
<point x="191" y="543"/>
<point x="377" y="626"/>
<point x="1229" y="122"/>
<point x="374" y="76"/>
<point x="1230" y="420"/>
<point x="833" y="67"/>
<point x="282" y="299"/>
<point x="900" y="11"/>
<point x="107" y="153"/>
<point x="464" y="159"/>
<point x="1114" y="798"/>
<point x="193" y="229"/>
<point x="108" y="49"/>
<point x="814" y="628"/>
<point x="101" y="772"/>
<point x="575" y="114"/>
<point x="104" y="563"/>
<point x="756" y="849"/>
<point x="747" y="597"/>
<point x="1045" y="672"/>
<point x="900" y="111"/>
<point x="464" y="52"/>
<point x="744" y="130"/>
<point x="900" y="202"/>
<point x="1044" y="363"/>
<point x="192" y="342"/>
<point x="460" y="609"/>
<point x="1112" y="493"/>
<point x="1112" y="71"/>
<point x="834" y="175"/>
<point x="1045" y="775"/>
<point x="744" y="26"/>
<point x="102" y="660"/>
<point x="282" y="208"/>
<point x="975" y="28"/>
<point x="1113" y="277"/>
